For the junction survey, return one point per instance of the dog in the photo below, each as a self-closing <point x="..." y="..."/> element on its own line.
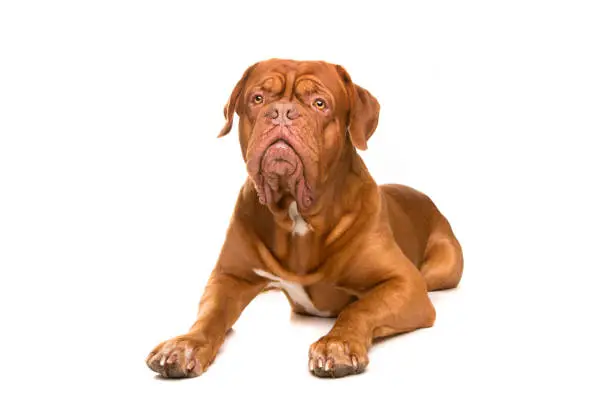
<point x="311" y="221"/>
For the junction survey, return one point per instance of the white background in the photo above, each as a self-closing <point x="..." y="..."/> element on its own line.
<point x="115" y="196"/>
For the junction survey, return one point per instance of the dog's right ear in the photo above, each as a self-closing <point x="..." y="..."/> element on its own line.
<point x="231" y="105"/>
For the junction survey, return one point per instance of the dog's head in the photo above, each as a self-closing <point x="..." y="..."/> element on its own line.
<point x="297" y="118"/>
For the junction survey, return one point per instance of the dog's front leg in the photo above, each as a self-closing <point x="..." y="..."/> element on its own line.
<point x="189" y="355"/>
<point x="398" y="303"/>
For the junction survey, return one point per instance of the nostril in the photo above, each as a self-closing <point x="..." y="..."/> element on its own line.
<point x="292" y="114"/>
<point x="272" y="113"/>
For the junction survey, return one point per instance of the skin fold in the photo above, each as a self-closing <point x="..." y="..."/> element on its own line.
<point x="364" y="253"/>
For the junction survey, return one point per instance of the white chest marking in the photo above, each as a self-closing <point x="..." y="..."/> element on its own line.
<point x="300" y="226"/>
<point x="295" y="291"/>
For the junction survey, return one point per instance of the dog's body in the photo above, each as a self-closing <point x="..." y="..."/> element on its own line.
<point x="311" y="221"/>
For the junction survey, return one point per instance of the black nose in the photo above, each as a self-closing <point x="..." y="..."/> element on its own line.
<point x="281" y="112"/>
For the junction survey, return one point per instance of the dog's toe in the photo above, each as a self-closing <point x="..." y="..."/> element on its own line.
<point x="180" y="357"/>
<point x="337" y="357"/>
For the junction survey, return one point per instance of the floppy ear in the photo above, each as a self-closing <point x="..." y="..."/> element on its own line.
<point x="363" y="111"/>
<point x="230" y="106"/>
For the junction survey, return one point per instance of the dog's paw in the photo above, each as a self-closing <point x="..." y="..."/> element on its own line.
<point x="336" y="356"/>
<point x="181" y="357"/>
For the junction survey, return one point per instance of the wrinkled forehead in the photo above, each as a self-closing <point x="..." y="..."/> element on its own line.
<point x="288" y="76"/>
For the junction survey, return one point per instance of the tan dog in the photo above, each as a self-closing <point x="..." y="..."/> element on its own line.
<point x="311" y="221"/>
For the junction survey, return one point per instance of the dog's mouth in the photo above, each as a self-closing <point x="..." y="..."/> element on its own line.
<point x="279" y="170"/>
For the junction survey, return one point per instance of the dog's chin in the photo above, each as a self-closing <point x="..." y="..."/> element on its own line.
<point x="280" y="174"/>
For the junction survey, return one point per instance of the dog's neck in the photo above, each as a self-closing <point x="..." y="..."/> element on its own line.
<point x="341" y="193"/>
<point x="349" y="197"/>
<point x="349" y="184"/>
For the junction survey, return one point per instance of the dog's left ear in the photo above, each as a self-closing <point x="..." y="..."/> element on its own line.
<point x="231" y="105"/>
<point x="363" y="111"/>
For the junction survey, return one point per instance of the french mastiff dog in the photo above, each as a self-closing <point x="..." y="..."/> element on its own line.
<point x="311" y="221"/>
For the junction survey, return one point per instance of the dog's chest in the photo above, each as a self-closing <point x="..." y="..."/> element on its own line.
<point x="299" y="252"/>
<point x="297" y="249"/>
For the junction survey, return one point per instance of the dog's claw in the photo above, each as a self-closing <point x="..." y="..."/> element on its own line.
<point x="328" y="364"/>
<point x="320" y="363"/>
<point x="355" y="362"/>
<point x="311" y="365"/>
<point x="163" y="361"/>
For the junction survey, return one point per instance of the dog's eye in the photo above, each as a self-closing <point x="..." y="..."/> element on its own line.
<point x="257" y="99"/>
<point x="320" y="104"/>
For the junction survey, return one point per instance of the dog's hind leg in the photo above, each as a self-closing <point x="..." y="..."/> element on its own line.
<point x="442" y="267"/>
